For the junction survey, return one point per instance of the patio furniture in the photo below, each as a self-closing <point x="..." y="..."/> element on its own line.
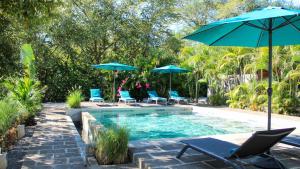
<point x="175" y="96"/>
<point x="153" y="96"/>
<point x="115" y="67"/>
<point x="96" y="95"/>
<point x="126" y="97"/>
<point x="258" y="145"/>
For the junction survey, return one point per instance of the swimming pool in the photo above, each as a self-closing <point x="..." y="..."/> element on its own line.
<point x="157" y="124"/>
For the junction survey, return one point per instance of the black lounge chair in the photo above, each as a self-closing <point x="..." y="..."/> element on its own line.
<point x="258" y="145"/>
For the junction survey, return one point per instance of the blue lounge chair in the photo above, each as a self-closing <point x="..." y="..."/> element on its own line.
<point x="175" y="96"/>
<point x="126" y="97"/>
<point x="258" y="146"/>
<point x="96" y="95"/>
<point x="153" y="96"/>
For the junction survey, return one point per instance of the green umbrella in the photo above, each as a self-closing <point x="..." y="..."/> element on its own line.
<point x="271" y="26"/>
<point x="170" y="69"/>
<point x="115" y="67"/>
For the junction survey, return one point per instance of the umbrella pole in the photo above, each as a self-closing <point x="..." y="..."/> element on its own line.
<point x="270" y="76"/>
<point x="114" y="86"/>
<point x="170" y="82"/>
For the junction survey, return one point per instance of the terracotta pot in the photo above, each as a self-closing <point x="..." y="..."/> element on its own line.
<point x="3" y="161"/>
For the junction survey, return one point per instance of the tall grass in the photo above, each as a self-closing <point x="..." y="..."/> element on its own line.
<point x="112" y="146"/>
<point x="74" y="99"/>
<point x="8" y="115"/>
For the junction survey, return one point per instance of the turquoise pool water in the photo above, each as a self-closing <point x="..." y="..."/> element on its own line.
<point x="157" y="125"/>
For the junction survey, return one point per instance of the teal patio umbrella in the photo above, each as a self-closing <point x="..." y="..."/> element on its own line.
<point x="170" y="69"/>
<point x="114" y="67"/>
<point x="271" y="26"/>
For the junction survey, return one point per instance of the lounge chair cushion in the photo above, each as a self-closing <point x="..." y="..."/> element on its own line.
<point x="96" y="98"/>
<point x="212" y="146"/>
<point x="174" y="94"/>
<point x="152" y="94"/>
<point x="95" y="92"/>
<point x="124" y="94"/>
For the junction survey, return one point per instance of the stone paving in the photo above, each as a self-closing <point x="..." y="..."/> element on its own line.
<point x="164" y="157"/>
<point x="55" y="144"/>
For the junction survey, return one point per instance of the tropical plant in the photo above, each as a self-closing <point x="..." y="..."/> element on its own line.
<point x="112" y="146"/>
<point x="26" y="90"/>
<point x="27" y="93"/>
<point x="74" y="98"/>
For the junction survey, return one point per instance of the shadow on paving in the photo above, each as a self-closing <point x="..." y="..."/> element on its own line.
<point x="16" y="155"/>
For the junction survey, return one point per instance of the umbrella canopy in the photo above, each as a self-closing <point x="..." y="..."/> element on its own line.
<point x="169" y="69"/>
<point x="271" y="26"/>
<point x="114" y="67"/>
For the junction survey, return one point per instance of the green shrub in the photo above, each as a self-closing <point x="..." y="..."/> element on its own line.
<point x="217" y="99"/>
<point x="74" y="99"/>
<point x="112" y="146"/>
<point x="8" y="115"/>
<point x="28" y="93"/>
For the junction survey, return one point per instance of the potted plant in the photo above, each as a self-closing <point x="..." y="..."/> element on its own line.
<point x="20" y="131"/>
<point x="73" y="101"/>
<point x="3" y="160"/>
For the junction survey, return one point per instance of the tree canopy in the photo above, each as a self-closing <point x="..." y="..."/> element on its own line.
<point x="69" y="36"/>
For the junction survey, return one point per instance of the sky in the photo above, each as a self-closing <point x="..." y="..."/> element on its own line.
<point x="179" y="25"/>
<point x="296" y="2"/>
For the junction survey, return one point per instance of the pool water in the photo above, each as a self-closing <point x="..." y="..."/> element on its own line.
<point x="157" y="125"/>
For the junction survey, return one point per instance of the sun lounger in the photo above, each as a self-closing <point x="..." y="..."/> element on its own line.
<point x="126" y="97"/>
<point x="153" y="96"/>
<point x="258" y="145"/>
<point x="175" y="96"/>
<point x="96" y="95"/>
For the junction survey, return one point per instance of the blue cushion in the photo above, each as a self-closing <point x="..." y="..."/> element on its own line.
<point x="174" y="94"/>
<point x="152" y="94"/>
<point x="124" y="94"/>
<point x="95" y="92"/>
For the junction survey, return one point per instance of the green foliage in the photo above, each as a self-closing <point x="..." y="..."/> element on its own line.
<point x="26" y="90"/>
<point x="70" y="36"/>
<point x="27" y="93"/>
<point x="74" y="98"/>
<point x="112" y="146"/>
<point x="28" y="61"/>
<point x="8" y="115"/>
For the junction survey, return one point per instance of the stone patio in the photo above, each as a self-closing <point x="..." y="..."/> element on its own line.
<point x="55" y="144"/>
<point x="163" y="156"/>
